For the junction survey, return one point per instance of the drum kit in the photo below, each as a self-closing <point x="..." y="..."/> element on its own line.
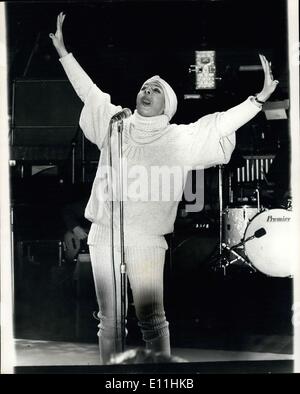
<point x="253" y="236"/>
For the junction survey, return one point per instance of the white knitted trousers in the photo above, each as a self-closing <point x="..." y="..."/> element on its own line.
<point x="145" y="267"/>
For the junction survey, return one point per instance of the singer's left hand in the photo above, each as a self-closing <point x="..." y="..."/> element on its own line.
<point x="270" y="83"/>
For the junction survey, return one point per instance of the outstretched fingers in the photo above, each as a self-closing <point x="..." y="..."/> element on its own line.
<point x="57" y="38"/>
<point x="62" y="17"/>
<point x="60" y="20"/>
<point x="267" y="67"/>
<point x="262" y="61"/>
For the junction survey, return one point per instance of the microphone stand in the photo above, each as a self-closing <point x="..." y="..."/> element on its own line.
<point x="123" y="276"/>
<point x="118" y="117"/>
<point x="122" y="264"/>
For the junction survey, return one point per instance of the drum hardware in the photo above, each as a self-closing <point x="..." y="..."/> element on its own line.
<point x="227" y="258"/>
<point x="248" y="194"/>
<point x="258" y="233"/>
<point x="257" y="192"/>
<point x="254" y="236"/>
<point x="238" y="257"/>
<point x="289" y="205"/>
<point x="251" y="234"/>
<point x="220" y="174"/>
<point x="233" y="232"/>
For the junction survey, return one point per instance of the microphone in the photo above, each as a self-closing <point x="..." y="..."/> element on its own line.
<point x="125" y="113"/>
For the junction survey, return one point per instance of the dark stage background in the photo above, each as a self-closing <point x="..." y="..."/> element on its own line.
<point x="120" y="44"/>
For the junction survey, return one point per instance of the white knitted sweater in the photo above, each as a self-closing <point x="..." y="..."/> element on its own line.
<point x="148" y="144"/>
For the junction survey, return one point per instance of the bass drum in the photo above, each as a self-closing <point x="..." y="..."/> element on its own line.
<point x="270" y="253"/>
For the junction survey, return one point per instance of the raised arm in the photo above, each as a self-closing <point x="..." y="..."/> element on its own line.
<point x="231" y="120"/>
<point x="79" y="79"/>
<point x="97" y="110"/>
<point x="211" y="139"/>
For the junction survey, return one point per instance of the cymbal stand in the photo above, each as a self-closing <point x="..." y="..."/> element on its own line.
<point x="230" y="191"/>
<point x="220" y="258"/>
<point x="224" y="249"/>
<point x="220" y="174"/>
<point x="257" y="191"/>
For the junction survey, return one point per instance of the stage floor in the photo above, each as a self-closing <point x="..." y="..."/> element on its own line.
<point x="238" y="322"/>
<point x="56" y="353"/>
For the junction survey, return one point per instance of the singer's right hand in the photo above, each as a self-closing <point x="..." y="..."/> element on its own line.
<point x="57" y="38"/>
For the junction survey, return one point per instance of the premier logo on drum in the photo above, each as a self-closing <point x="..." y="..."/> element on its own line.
<point x="271" y="218"/>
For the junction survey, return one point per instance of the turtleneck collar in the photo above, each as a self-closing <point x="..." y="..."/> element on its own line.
<point x="149" y="124"/>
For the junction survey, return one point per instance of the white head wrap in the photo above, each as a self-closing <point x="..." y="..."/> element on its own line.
<point x="170" y="96"/>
